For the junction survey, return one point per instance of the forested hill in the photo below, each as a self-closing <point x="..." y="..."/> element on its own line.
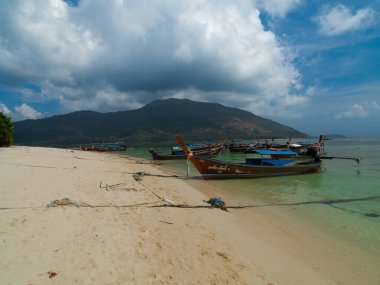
<point x="156" y="122"/>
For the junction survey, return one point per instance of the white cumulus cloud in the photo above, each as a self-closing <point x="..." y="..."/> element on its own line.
<point x="337" y="20"/>
<point x="363" y="110"/>
<point x="278" y="8"/>
<point x="4" y="109"/>
<point x="112" y="54"/>
<point x="24" y="111"/>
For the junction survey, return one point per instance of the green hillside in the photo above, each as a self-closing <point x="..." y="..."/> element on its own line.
<point x="156" y="122"/>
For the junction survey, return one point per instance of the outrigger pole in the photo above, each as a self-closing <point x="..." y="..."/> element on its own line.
<point x="357" y="160"/>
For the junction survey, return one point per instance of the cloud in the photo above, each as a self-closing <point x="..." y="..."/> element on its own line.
<point x="108" y="55"/>
<point x="278" y="8"/>
<point x="101" y="97"/>
<point x="338" y="20"/>
<point x="363" y="110"/>
<point x="4" y="109"/>
<point x="24" y="111"/>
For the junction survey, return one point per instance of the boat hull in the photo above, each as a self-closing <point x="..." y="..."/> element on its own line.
<point x="207" y="152"/>
<point x="216" y="169"/>
<point x="101" y="149"/>
<point x="157" y="156"/>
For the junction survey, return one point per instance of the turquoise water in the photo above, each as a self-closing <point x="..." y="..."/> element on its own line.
<point x="343" y="199"/>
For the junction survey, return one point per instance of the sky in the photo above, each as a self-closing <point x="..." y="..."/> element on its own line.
<point x="313" y="65"/>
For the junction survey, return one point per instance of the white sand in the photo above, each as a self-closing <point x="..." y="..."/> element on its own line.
<point x="129" y="242"/>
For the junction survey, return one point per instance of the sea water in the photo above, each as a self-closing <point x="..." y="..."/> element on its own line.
<point x="343" y="199"/>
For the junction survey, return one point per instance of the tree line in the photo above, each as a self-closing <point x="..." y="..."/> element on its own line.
<point x="6" y="130"/>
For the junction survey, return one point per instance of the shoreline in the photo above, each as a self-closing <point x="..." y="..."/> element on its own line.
<point x="344" y="261"/>
<point x="125" y="234"/>
<point x="332" y="253"/>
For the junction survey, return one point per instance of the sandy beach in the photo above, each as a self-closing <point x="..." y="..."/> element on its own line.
<point x="116" y="226"/>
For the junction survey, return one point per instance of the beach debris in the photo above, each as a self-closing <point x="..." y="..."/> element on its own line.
<point x="217" y="203"/>
<point x="168" y="201"/>
<point x="138" y="176"/>
<point x="165" y="222"/>
<point x="63" y="202"/>
<point x="52" y="274"/>
<point x="117" y="187"/>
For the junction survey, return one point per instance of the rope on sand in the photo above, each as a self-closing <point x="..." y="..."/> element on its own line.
<point x="68" y="202"/>
<point x="331" y="203"/>
<point x="139" y="175"/>
<point x="117" y="187"/>
<point x="185" y="206"/>
<point x="121" y="206"/>
<point x="136" y="176"/>
<point x="80" y="205"/>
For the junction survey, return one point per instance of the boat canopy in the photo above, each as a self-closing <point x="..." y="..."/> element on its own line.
<point x="275" y="152"/>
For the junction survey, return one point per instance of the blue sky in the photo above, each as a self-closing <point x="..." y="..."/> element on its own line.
<point x="312" y="65"/>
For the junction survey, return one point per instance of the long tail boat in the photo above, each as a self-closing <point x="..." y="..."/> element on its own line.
<point x="160" y="156"/>
<point x="199" y="148"/>
<point x="181" y="155"/>
<point x="211" y="168"/>
<point x="105" y="147"/>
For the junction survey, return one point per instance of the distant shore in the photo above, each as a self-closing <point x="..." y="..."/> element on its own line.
<point x="75" y="217"/>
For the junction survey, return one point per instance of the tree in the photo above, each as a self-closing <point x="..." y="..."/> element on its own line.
<point x="6" y="130"/>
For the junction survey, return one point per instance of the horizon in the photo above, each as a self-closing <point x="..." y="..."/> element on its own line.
<point x="305" y="64"/>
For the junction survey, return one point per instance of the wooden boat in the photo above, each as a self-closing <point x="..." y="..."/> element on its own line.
<point x="304" y="145"/>
<point x="105" y="147"/>
<point x="238" y="147"/>
<point x="252" y="168"/>
<point x="198" y="148"/>
<point x="159" y="156"/>
<point x="182" y="155"/>
<point x="250" y="148"/>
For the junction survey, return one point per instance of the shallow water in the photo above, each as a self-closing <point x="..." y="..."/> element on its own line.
<point x="342" y="200"/>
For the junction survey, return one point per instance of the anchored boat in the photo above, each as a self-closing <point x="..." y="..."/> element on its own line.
<point x="253" y="167"/>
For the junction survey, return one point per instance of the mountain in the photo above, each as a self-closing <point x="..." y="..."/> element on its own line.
<point x="156" y="122"/>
